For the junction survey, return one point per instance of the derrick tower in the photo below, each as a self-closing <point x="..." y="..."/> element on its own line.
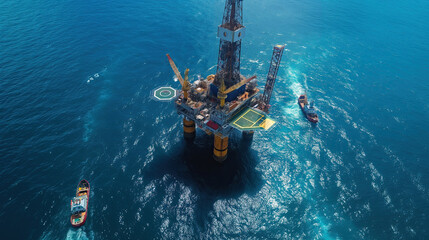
<point x="230" y="32"/>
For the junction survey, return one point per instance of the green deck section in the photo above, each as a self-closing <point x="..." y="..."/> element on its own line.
<point x="250" y="119"/>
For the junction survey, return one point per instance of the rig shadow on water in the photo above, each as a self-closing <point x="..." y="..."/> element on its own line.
<point x="233" y="177"/>
<point x="192" y="163"/>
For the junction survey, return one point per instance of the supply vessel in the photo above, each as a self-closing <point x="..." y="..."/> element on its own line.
<point x="79" y="204"/>
<point x="308" y="109"/>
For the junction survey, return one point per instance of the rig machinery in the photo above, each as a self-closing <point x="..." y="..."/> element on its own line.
<point x="227" y="100"/>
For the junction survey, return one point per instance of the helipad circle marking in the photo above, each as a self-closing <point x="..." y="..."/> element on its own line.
<point x="165" y="93"/>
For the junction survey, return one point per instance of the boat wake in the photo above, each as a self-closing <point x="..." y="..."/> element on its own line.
<point x="79" y="234"/>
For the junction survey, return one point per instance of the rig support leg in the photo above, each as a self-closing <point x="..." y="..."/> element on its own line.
<point x="220" y="150"/>
<point x="188" y="128"/>
<point x="248" y="135"/>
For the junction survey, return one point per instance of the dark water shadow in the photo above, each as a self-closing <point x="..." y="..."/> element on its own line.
<point x="192" y="163"/>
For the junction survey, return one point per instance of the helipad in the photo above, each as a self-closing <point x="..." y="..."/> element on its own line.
<point x="164" y="93"/>
<point x="251" y="119"/>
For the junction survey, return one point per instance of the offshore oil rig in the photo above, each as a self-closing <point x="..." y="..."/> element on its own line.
<point x="228" y="100"/>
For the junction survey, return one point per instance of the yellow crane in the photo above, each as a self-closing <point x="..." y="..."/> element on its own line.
<point x="222" y="93"/>
<point x="186" y="85"/>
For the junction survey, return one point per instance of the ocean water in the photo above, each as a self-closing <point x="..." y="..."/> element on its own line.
<point x="75" y="82"/>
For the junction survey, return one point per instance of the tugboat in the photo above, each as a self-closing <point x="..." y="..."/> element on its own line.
<point x="79" y="204"/>
<point x="308" y="109"/>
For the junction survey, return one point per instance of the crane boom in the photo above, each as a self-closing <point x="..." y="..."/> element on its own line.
<point x="238" y="85"/>
<point x="176" y="71"/>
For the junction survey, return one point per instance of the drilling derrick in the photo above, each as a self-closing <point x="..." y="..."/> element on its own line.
<point x="271" y="78"/>
<point x="230" y="32"/>
<point x="226" y="101"/>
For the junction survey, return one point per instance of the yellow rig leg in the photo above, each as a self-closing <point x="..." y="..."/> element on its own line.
<point x="220" y="150"/>
<point x="188" y="128"/>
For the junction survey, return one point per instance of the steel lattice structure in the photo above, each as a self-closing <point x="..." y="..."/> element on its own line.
<point x="231" y="32"/>
<point x="272" y="74"/>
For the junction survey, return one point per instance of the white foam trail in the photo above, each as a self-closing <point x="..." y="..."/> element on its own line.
<point x="79" y="234"/>
<point x="72" y="234"/>
<point x="291" y="109"/>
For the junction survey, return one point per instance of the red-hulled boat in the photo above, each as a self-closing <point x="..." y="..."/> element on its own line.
<point x="79" y="204"/>
<point x="308" y="109"/>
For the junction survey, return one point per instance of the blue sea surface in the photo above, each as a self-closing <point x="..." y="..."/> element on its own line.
<point x="75" y="83"/>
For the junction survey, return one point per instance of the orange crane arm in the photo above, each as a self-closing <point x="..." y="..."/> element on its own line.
<point x="176" y="71"/>
<point x="238" y="85"/>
